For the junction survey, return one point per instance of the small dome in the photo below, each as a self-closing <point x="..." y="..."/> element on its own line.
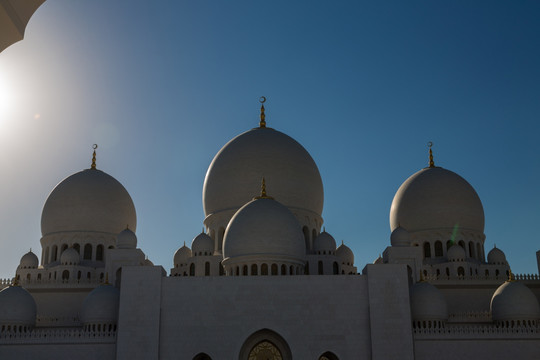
<point x="235" y="173"/>
<point x="202" y="244"/>
<point x="436" y="198"/>
<point x="345" y="254"/>
<point x="182" y="255"/>
<point x="126" y="240"/>
<point x="29" y="261"/>
<point x="456" y="253"/>
<point x="70" y="256"/>
<point x="427" y="303"/>
<point x="514" y="301"/>
<point x="89" y="200"/>
<point x="17" y="307"/>
<point x="324" y="243"/>
<point x="496" y="257"/>
<point x="400" y="237"/>
<point x="264" y="228"/>
<point x="148" y="262"/>
<point x="101" y="306"/>
<point x="378" y="260"/>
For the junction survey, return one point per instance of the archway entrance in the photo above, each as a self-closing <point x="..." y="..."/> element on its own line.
<point x="265" y="344"/>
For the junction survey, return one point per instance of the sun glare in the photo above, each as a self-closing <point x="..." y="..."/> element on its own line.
<point x="7" y="98"/>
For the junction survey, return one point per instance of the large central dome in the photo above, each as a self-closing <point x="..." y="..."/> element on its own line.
<point x="235" y="173"/>
<point x="89" y="200"/>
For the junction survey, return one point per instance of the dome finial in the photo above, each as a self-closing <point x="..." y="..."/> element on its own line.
<point x="431" y="163"/>
<point x="262" y="123"/>
<point x="263" y="191"/>
<point x="93" y="167"/>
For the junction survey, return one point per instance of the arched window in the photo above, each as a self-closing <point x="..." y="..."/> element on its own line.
<point x="320" y="267"/>
<point x="87" y="252"/>
<point x="192" y="269"/>
<point x="264" y="269"/>
<point x="265" y="344"/>
<point x="328" y="356"/>
<point x="471" y="249"/>
<point x="245" y="270"/>
<point x="64" y="247"/>
<point x="449" y="244"/>
<point x="447" y="272"/>
<point x="28" y="277"/>
<point x="99" y="253"/>
<point x="336" y="268"/>
<point x="291" y="270"/>
<point x="202" y="356"/>
<point x="305" y="230"/>
<point x="438" y="248"/>
<point x="65" y="275"/>
<point x="47" y="255"/>
<point x="283" y="270"/>
<point x="254" y="269"/>
<point x="306" y="268"/>
<point x="77" y="247"/>
<point x="487" y="273"/>
<point x="462" y="244"/>
<point x="427" y="250"/>
<point x="54" y="254"/>
<point x="207" y="269"/>
<point x="461" y="271"/>
<point x="274" y="269"/>
<point x="39" y="276"/>
<point x="79" y="275"/>
<point x="496" y="272"/>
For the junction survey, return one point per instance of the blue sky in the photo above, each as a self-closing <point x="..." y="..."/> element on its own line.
<point x="161" y="86"/>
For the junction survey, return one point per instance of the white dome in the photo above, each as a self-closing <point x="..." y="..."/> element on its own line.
<point x="456" y="253"/>
<point x="324" y="242"/>
<point x="17" y="307"/>
<point x="436" y="198"/>
<point x="101" y="305"/>
<point x="126" y="239"/>
<point x="29" y="261"/>
<point x="427" y="303"/>
<point x="236" y="171"/>
<point x="345" y="254"/>
<point x="89" y="200"/>
<point x="202" y="244"/>
<point x="514" y="301"/>
<point x="496" y="257"/>
<point x="181" y="255"/>
<point x="400" y="237"/>
<point x="70" y="256"/>
<point x="264" y="227"/>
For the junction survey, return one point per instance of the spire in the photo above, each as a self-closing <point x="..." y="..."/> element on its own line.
<point x="431" y="163"/>
<point x="262" y="123"/>
<point x="93" y="167"/>
<point x="263" y="191"/>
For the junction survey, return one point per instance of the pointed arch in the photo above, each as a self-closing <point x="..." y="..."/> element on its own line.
<point x="328" y="356"/>
<point x="265" y="340"/>
<point x="202" y="356"/>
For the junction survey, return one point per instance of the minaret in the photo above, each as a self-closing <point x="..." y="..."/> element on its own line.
<point x="262" y="123"/>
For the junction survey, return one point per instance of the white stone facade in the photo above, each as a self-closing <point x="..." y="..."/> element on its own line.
<point x="262" y="281"/>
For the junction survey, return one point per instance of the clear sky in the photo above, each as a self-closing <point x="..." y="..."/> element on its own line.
<point x="161" y="86"/>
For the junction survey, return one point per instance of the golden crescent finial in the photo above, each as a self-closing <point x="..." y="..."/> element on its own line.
<point x="262" y="123"/>
<point x="93" y="166"/>
<point x="263" y="191"/>
<point x="431" y="163"/>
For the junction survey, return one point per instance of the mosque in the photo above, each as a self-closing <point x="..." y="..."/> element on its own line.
<point x="264" y="280"/>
